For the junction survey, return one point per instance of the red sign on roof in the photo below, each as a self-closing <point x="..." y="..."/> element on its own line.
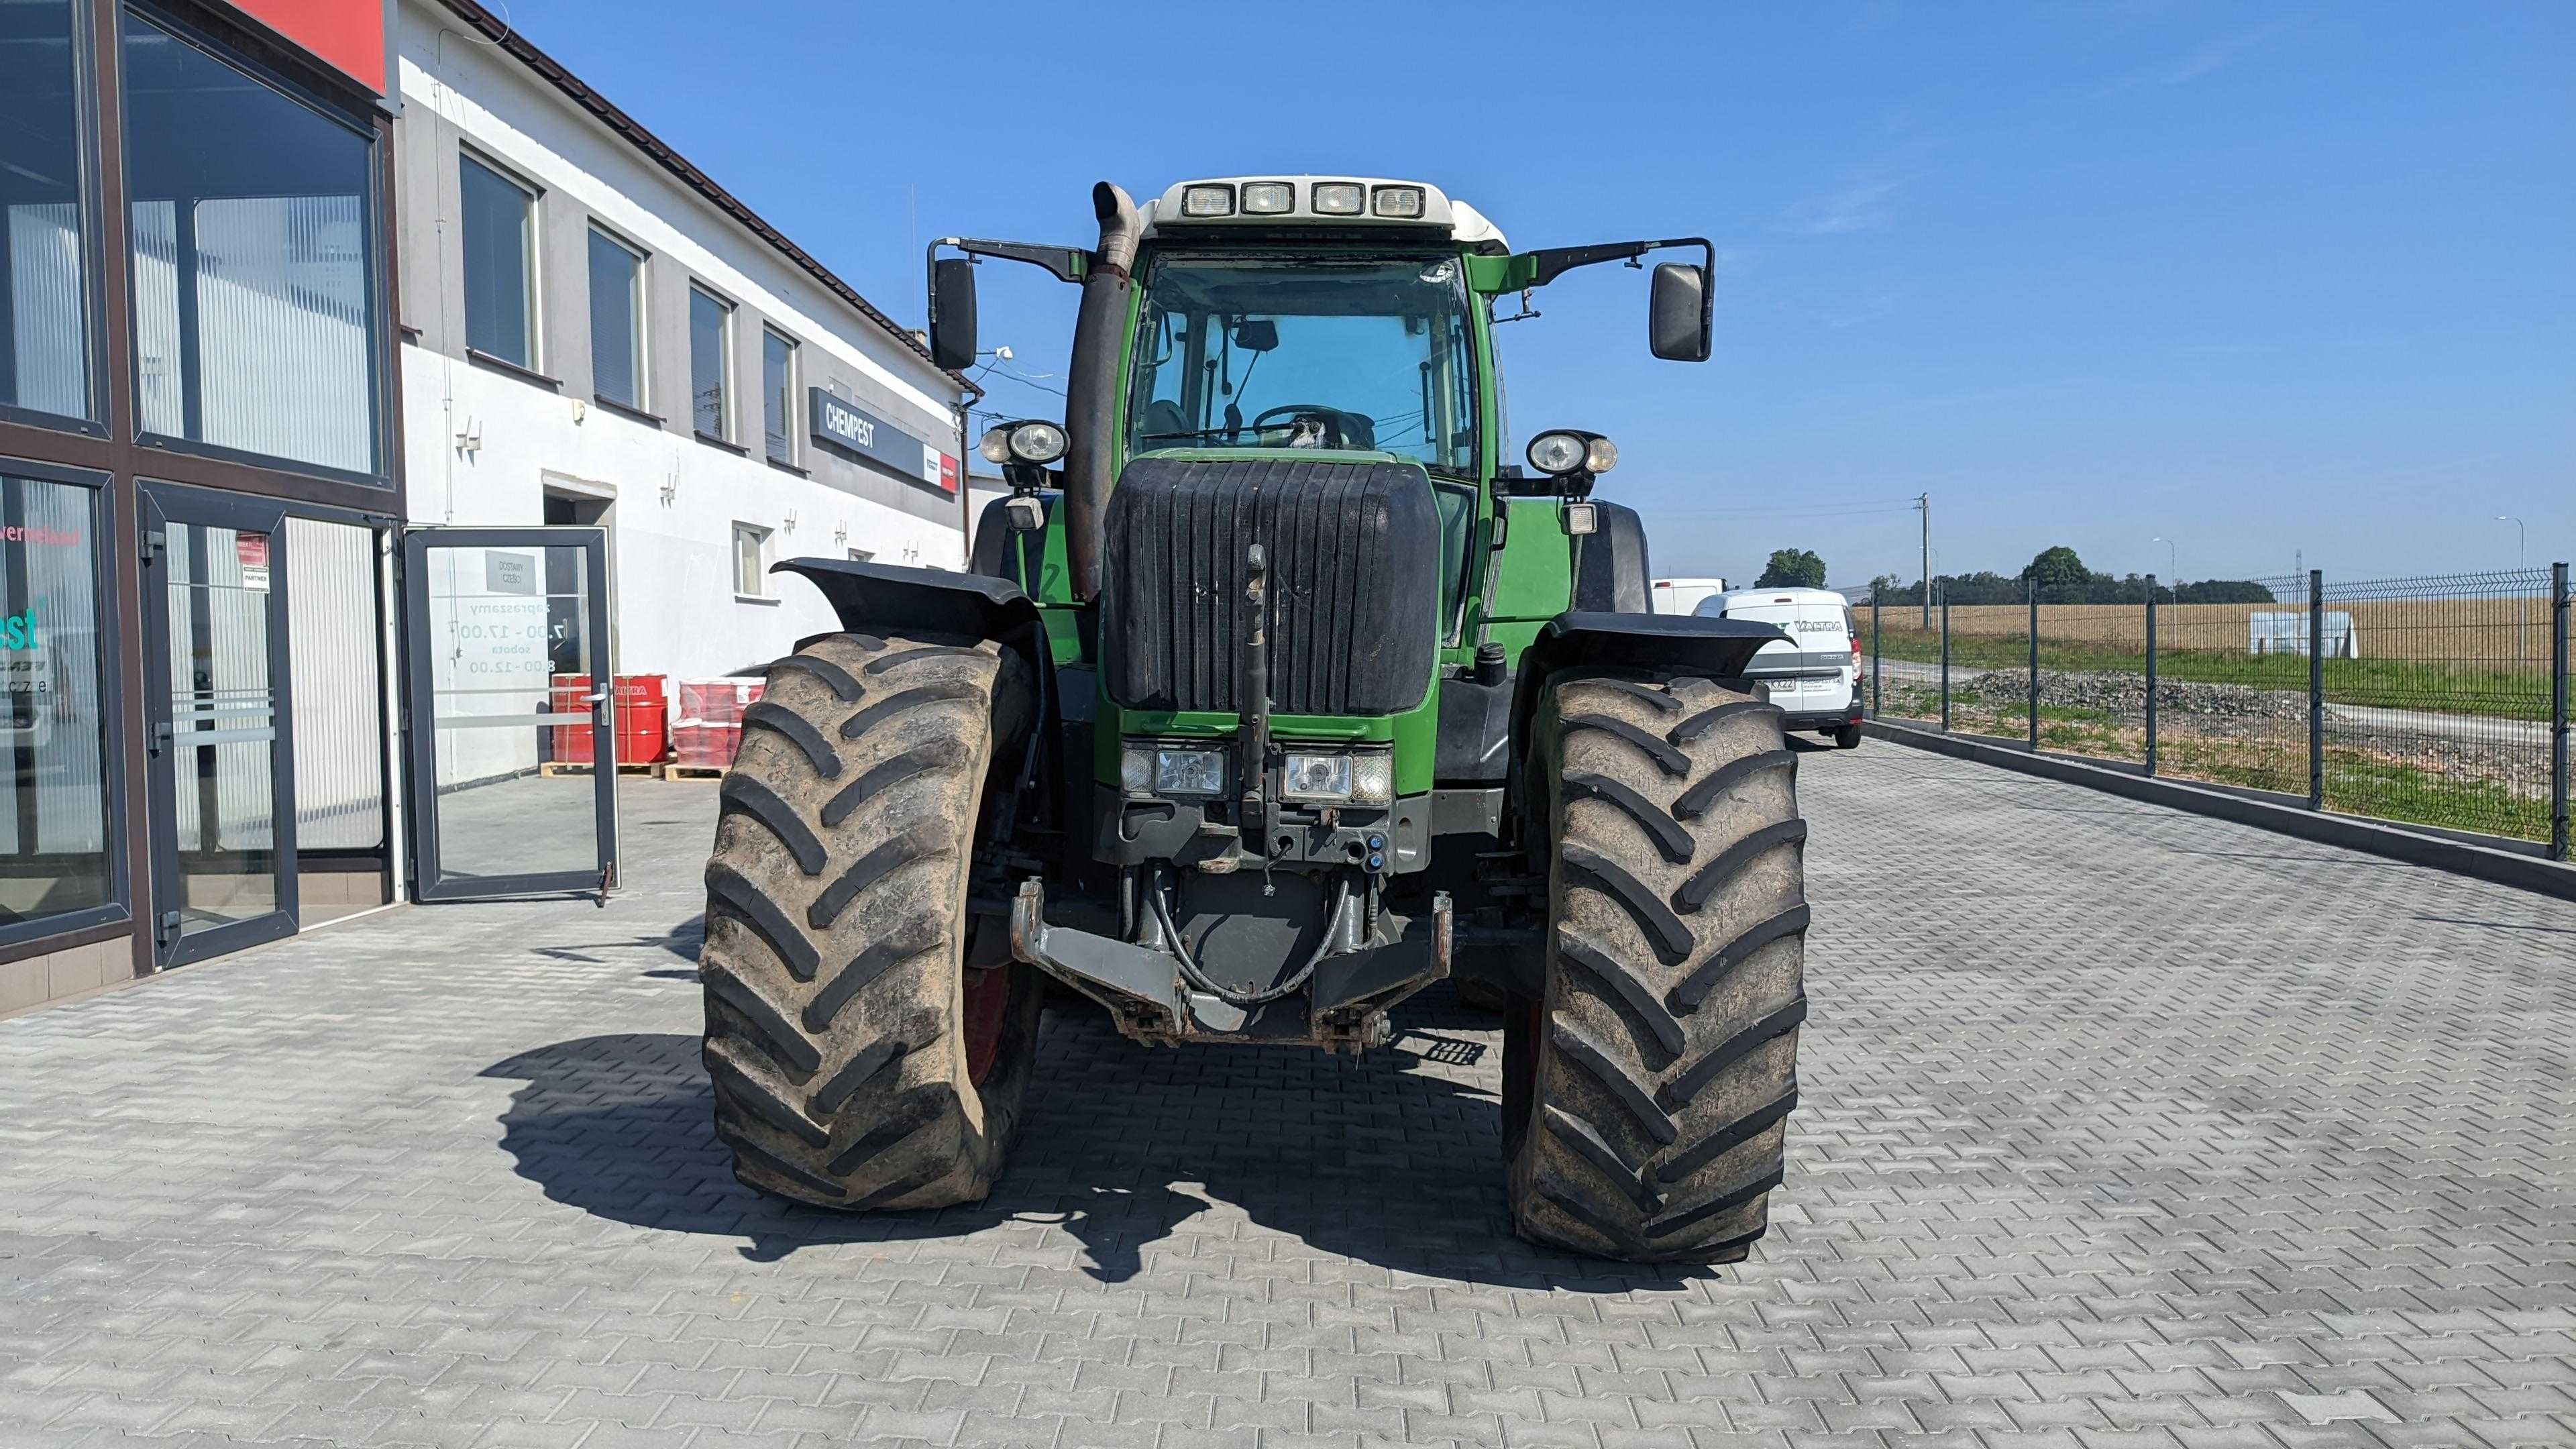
<point x="348" y="35"/>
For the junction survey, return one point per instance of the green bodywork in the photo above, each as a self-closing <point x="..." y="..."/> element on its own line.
<point x="1509" y="593"/>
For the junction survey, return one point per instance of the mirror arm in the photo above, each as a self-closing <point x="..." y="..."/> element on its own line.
<point x="1549" y="263"/>
<point x="1065" y="264"/>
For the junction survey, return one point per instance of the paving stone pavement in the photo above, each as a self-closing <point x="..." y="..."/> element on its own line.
<point x="2118" y="1127"/>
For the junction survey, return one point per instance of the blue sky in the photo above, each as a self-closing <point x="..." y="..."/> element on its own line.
<point x="2269" y="281"/>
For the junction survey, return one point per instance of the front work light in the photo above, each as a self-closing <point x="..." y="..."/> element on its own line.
<point x="1402" y="203"/>
<point x="1338" y="198"/>
<point x="1556" y="454"/>
<point x="1033" y="441"/>
<point x="1036" y="442"/>
<point x="1268" y="198"/>
<point x="1208" y="201"/>
<point x="1560" y="453"/>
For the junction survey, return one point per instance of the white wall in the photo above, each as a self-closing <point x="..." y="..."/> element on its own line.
<point x="671" y="562"/>
<point x="675" y="498"/>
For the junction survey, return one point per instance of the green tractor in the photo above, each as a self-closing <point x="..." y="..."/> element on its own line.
<point x="1272" y="697"/>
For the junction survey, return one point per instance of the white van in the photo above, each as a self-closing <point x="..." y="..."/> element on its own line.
<point x="1681" y="596"/>
<point x="1814" y="674"/>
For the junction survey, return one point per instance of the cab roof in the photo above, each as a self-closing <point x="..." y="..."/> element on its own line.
<point x="1459" y="221"/>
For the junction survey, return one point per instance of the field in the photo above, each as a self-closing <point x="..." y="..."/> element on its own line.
<point x="2509" y="634"/>
<point x="2460" y="656"/>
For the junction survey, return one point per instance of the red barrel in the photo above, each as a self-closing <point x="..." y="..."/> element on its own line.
<point x="572" y="744"/>
<point x="643" y="719"/>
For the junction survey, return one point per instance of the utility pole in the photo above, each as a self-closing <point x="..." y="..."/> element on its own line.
<point x="1924" y="502"/>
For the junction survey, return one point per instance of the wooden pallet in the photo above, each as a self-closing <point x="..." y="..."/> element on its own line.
<point x="693" y="772"/>
<point x="553" y="769"/>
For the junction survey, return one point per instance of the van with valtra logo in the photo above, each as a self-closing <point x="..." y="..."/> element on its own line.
<point x="1814" y="674"/>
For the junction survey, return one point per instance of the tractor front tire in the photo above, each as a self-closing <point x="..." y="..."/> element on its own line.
<point x="868" y="1041"/>
<point x="1646" y="1097"/>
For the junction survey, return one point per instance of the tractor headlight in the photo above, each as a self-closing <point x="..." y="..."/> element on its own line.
<point x="1315" y="777"/>
<point x="1338" y="198"/>
<point x="1208" y="201"/>
<point x="1337" y="778"/>
<point x="1027" y="442"/>
<point x="1560" y="453"/>
<point x="1156" y="770"/>
<point x="1557" y="453"/>
<point x="1268" y="198"/>
<point x="1037" y="442"/>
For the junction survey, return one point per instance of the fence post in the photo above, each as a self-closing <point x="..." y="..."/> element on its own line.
<point x="1877" y="656"/>
<point x="2558" y="611"/>
<point x="1945" y="660"/>
<point x="2316" y="689"/>
<point x="2151" y="675"/>
<point x="2034" y="664"/>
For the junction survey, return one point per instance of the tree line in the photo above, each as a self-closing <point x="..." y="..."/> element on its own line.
<point x="2060" y="575"/>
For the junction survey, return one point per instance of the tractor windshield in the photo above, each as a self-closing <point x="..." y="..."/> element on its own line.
<point x="1301" y="353"/>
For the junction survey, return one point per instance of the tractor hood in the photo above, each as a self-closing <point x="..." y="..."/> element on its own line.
<point x="1350" y="608"/>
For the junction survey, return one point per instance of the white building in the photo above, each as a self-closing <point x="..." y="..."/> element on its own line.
<point x="595" y="333"/>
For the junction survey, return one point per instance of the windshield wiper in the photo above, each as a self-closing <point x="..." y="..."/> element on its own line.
<point x="1190" y="433"/>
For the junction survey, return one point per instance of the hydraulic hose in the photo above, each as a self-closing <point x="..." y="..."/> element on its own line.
<point x="1198" y="978"/>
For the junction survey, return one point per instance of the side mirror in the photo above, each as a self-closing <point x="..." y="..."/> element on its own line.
<point x="1677" y="313"/>
<point x="952" y="313"/>
<point x="1257" y="334"/>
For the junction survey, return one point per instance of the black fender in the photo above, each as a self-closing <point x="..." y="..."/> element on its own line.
<point x="875" y="598"/>
<point x="1684" y="643"/>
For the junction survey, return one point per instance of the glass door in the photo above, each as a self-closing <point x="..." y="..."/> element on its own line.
<point x="513" y="747"/>
<point x="215" y="672"/>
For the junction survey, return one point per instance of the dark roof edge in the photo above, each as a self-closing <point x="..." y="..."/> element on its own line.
<point x="509" y="39"/>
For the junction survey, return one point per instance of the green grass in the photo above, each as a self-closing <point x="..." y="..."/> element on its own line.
<point x="2386" y="683"/>
<point x="2357" y="783"/>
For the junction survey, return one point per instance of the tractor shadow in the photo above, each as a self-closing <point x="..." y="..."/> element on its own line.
<point x="1394" y="1159"/>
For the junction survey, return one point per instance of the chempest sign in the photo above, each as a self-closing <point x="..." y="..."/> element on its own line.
<point x="849" y="428"/>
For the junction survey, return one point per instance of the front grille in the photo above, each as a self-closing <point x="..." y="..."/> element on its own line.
<point x="1354" y="584"/>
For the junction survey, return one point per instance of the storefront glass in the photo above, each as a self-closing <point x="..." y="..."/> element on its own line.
<point x="44" y="312"/>
<point x="253" y="222"/>
<point x="223" y="713"/>
<point x="53" y="716"/>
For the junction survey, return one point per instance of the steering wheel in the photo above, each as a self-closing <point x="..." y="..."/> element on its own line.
<point x="1341" y="429"/>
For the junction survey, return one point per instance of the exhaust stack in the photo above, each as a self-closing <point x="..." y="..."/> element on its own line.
<point x="1091" y="392"/>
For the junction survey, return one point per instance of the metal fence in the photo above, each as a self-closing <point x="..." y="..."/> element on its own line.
<point x="2437" y="701"/>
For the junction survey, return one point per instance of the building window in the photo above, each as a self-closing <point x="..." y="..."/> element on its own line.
<point x="55" y="837"/>
<point x="254" y="240"/>
<point x="44" y="296"/>
<point x="616" y="321"/>
<point x="778" y="395"/>
<point x="711" y="365"/>
<point x="750" y="545"/>
<point x="500" y="264"/>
